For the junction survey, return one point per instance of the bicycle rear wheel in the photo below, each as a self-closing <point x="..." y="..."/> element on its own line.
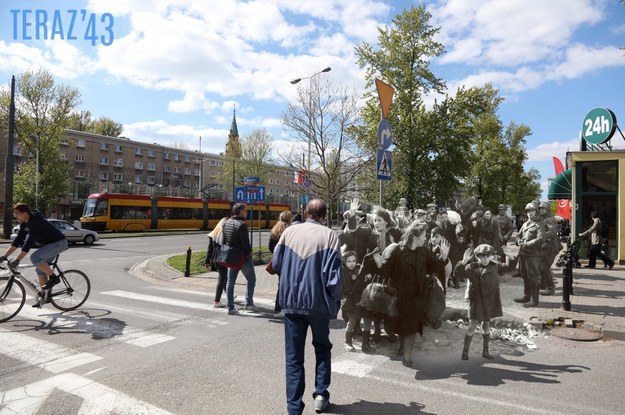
<point x="12" y="297"/>
<point x="72" y="291"/>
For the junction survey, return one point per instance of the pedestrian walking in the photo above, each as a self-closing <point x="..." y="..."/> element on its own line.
<point x="308" y="259"/>
<point x="530" y="239"/>
<point x="596" y="240"/>
<point x="482" y="294"/>
<point x="236" y="235"/>
<point x="284" y="221"/>
<point x="215" y="240"/>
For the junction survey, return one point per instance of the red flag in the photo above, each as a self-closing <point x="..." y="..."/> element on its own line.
<point x="564" y="205"/>
<point x="557" y="164"/>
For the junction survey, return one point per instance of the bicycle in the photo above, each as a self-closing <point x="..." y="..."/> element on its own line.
<point x="69" y="294"/>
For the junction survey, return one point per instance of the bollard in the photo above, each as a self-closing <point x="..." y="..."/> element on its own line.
<point x="567" y="261"/>
<point x="187" y="267"/>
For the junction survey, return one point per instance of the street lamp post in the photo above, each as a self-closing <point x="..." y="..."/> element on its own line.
<point x="310" y="109"/>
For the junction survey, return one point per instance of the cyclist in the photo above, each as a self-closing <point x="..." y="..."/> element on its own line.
<point x="35" y="230"/>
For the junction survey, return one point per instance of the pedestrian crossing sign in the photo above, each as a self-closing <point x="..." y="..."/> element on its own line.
<point x="384" y="165"/>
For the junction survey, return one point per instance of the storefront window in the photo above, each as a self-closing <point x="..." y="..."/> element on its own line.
<point x="600" y="176"/>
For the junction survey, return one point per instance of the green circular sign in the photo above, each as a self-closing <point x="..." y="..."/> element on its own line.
<point x="599" y="126"/>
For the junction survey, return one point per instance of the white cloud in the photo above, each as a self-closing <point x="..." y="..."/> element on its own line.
<point x="165" y="134"/>
<point x="582" y="59"/>
<point x="546" y="152"/>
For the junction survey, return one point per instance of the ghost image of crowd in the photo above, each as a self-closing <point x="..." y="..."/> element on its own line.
<point x="399" y="265"/>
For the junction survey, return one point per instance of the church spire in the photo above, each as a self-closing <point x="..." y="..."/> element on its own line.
<point x="234" y="131"/>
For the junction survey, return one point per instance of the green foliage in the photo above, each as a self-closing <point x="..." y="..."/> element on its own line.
<point x="42" y="113"/>
<point x="459" y="143"/>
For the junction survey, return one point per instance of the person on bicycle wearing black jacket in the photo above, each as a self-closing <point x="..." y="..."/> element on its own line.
<point x="36" y="231"/>
<point x="236" y="235"/>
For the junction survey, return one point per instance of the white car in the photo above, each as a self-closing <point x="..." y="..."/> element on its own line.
<point x="72" y="233"/>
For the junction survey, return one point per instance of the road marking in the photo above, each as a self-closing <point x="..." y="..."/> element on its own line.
<point x="99" y="328"/>
<point x="97" y="398"/>
<point x="358" y="365"/>
<point x="177" y="303"/>
<point x="48" y="356"/>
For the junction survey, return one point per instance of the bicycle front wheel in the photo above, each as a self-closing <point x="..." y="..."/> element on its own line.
<point x="72" y="291"/>
<point x="12" y="297"/>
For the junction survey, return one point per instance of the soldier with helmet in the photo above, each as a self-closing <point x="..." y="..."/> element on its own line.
<point x="551" y="248"/>
<point x="530" y="239"/>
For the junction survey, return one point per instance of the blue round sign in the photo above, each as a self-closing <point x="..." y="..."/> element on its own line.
<point x="384" y="134"/>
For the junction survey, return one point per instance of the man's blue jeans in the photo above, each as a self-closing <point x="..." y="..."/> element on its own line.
<point x="295" y="330"/>
<point x="250" y="276"/>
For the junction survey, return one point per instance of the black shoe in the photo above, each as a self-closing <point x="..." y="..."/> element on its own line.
<point x="54" y="279"/>
<point x="588" y="266"/>
<point x="611" y="265"/>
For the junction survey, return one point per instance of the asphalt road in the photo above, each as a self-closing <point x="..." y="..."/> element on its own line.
<point x="143" y="347"/>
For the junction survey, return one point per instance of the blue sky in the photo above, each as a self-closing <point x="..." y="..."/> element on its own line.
<point x="176" y="68"/>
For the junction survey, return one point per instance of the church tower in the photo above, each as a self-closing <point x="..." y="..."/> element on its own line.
<point x="233" y="146"/>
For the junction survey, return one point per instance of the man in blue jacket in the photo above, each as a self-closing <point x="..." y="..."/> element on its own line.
<point x="308" y="259"/>
<point x="35" y="230"/>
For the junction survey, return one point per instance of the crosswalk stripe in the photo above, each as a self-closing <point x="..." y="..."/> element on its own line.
<point x="358" y="364"/>
<point x="97" y="398"/>
<point x="46" y="355"/>
<point x="98" y="327"/>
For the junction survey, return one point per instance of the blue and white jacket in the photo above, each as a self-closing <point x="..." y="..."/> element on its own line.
<point x="308" y="259"/>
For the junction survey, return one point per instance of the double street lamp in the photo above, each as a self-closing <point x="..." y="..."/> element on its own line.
<point x="310" y="109"/>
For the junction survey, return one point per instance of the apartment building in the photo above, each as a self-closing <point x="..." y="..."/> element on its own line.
<point x="120" y="165"/>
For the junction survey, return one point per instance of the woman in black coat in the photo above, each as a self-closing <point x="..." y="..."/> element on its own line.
<point x="408" y="264"/>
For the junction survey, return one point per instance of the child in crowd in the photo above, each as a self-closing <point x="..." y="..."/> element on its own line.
<point x="352" y="290"/>
<point x="482" y="273"/>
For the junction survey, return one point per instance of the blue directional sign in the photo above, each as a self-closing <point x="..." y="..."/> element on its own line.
<point x="242" y="194"/>
<point x="384" y="134"/>
<point x="384" y="165"/>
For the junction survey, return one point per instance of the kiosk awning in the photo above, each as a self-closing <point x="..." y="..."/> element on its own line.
<point x="560" y="187"/>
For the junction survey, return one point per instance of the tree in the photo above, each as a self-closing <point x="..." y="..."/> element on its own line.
<point x="402" y="60"/>
<point x="82" y="121"/>
<point x="108" y="127"/>
<point x="256" y="155"/>
<point x="43" y="111"/>
<point x="323" y="116"/>
<point x="497" y="174"/>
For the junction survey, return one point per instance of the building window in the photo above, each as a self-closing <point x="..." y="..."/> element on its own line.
<point x="197" y="172"/>
<point x="152" y="153"/>
<point x="151" y="167"/>
<point x="139" y="179"/>
<point x="103" y="175"/>
<point x="119" y="162"/>
<point x="138" y="165"/>
<point x="150" y="179"/>
<point x="166" y="156"/>
<point x="65" y="156"/>
<point x="118" y="148"/>
<point x="166" y="168"/>
<point x="118" y="177"/>
<point x="80" y="173"/>
<point x="270" y="181"/>
<point x="213" y="162"/>
<point x="64" y="142"/>
<point x="80" y="158"/>
<point x="187" y="172"/>
<point x="176" y="170"/>
<point x="104" y="146"/>
<point x="104" y="161"/>
<point x="187" y="159"/>
<point x="211" y="174"/>
<point x="139" y="152"/>
<point x="80" y="143"/>
<point x="177" y="157"/>
<point x="221" y="163"/>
